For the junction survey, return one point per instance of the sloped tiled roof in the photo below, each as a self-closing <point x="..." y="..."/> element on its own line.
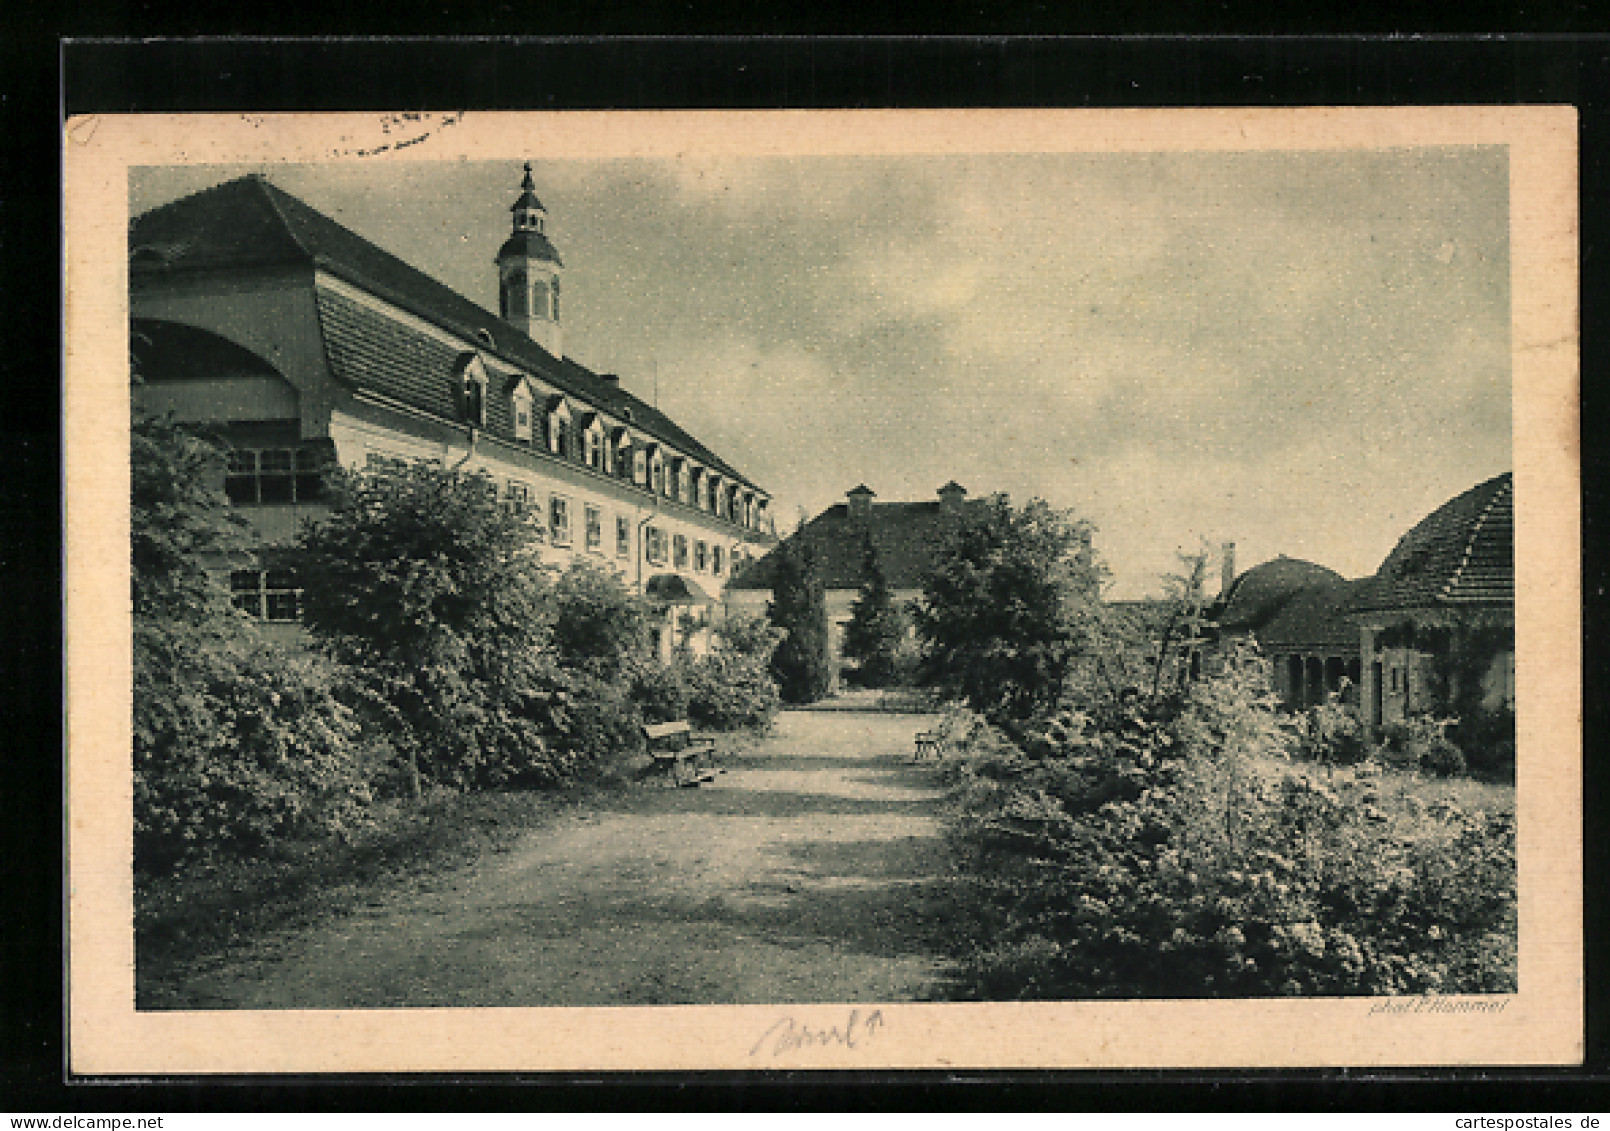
<point x="1463" y="553"/>
<point x="249" y="223"/>
<point x="1262" y="591"/>
<point x="1315" y="617"/>
<point x="907" y="537"/>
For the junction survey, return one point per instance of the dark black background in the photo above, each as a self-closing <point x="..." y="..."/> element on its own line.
<point x="40" y="77"/>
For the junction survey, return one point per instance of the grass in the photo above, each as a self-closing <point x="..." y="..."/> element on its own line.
<point x="202" y="910"/>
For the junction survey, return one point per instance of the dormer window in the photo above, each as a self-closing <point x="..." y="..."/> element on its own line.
<point x="592" y="441"/>
<point x="559" y="439"/>
<point x="520" y="404"/>
<point x="472" y="391"/>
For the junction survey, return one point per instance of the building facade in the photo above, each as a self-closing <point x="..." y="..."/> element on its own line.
<point x="304" y="346"/>
<point x="905" y="536"/>
<point x="1432" y="631"/>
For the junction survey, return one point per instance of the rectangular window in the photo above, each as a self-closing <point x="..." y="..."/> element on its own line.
<point x="701" y="556"/>
<point x="522" y="419"/>
<point x="269" y="595"/>
<point x="654" y="545"/>
<point x="595" y="450"/>
<point x="518" y="497"/>
<point x="273" y="475"/>
<point x="679" y="550"/>
<point x="639" y="466"/>
<point x="559" y="521"/>
<point x="595" y="529"/>
<point x="623" y="537"/>
<point x="715" y="560"/>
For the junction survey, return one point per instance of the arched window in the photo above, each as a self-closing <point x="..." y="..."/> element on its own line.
<point x="556" y="300"/>
<point x="475" y="397"/>
<point x="515" y="299"/>
<point x="539" y="300"/>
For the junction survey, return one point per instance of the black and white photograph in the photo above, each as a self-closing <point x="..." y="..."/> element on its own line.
<point x="827" y="590"/>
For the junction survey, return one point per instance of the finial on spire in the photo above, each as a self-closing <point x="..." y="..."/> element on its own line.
<point x="526" y="182"/>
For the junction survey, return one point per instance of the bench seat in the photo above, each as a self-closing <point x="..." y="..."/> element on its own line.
<point x="682" y="758"/>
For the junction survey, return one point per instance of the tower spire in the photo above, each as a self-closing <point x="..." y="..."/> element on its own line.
<point x="528" y="271"/>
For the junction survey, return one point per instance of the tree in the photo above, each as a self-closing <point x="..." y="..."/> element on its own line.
<point x="236" y="742"/>
<point x="1004" y="610"/>
<point x="421" y="576"/>
<point x="877" y="626"/>
<point x="179" y="520"/>
<point x="799" y="607"/>
<point x="600" y="625"/>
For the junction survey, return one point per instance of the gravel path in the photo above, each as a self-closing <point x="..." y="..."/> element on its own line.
<point x="810" y="870"/>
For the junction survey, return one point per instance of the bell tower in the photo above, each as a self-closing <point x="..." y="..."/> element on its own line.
<point x="528" y="272"/>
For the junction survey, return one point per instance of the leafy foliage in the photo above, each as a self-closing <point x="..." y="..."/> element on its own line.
<point x="745" y="634"/>
<point x="179" y="520"/>
<point x="800" y="664"/>
<point x="236" y="741"/>
<point x="422" y="577"/>
<point x="1162" y="847"/>
<point x="728" y="690"/>
<point x="1003" y="611"/>
<point x="877" y="627"/>
<point x="600" y="626"/>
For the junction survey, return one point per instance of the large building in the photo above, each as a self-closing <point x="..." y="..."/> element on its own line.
<point x="305" y="345"/>
<point x="1432" y="630"/>
<point x="905" y="536"/>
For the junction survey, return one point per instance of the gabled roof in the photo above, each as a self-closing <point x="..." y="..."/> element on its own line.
<point x="1461" y="554"/>
<point x="249" y="223"/>
<point x="1262" y="591"/>
<point x="907" y="537"/>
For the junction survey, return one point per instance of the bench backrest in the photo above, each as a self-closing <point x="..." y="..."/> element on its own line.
<point x="654" y="731"/>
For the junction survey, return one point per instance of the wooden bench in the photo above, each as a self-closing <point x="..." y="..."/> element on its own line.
<point x="683" y="758"/>
<point x="952" y="731"/>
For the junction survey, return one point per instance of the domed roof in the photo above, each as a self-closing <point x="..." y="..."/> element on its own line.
<point x="1462" y="553"/>
<point x="1261" y="592"/>
<point x="532" y="245"/>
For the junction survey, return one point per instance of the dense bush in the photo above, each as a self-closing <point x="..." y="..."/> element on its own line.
<point x="659" y="691"/>
<point x="727" y="691"/>
<point x="1161" y="847"/>
<point x="238" y="743"/>
<point x="1421" y="742"/>
<point x="1002" y="609"/>
<point x="1487" y="739"/>
<point x="600" y="625"/>
<point x="574" y="727"/>
<point x="423" y="578"/>
<point x="1332" y="733"/>
<point x="744" y="634"/>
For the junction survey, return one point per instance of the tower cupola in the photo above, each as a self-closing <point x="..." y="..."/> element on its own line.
<point x="528" y="272"/>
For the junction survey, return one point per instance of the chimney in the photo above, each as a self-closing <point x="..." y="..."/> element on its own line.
<point x="860" y="497"/>
<point x="950" y="497"/>
<point x="1227" y="569"/>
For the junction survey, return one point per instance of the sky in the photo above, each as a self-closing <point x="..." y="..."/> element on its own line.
<point x="1303" y="353"/>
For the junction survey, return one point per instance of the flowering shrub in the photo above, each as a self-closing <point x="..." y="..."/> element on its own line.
<point x="1162" y="848"/>
<point x="1332" y="732"/>
<point x="1422" y="743"/>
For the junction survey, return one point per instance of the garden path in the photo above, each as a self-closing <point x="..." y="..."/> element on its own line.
<point x="811" y="869"/>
